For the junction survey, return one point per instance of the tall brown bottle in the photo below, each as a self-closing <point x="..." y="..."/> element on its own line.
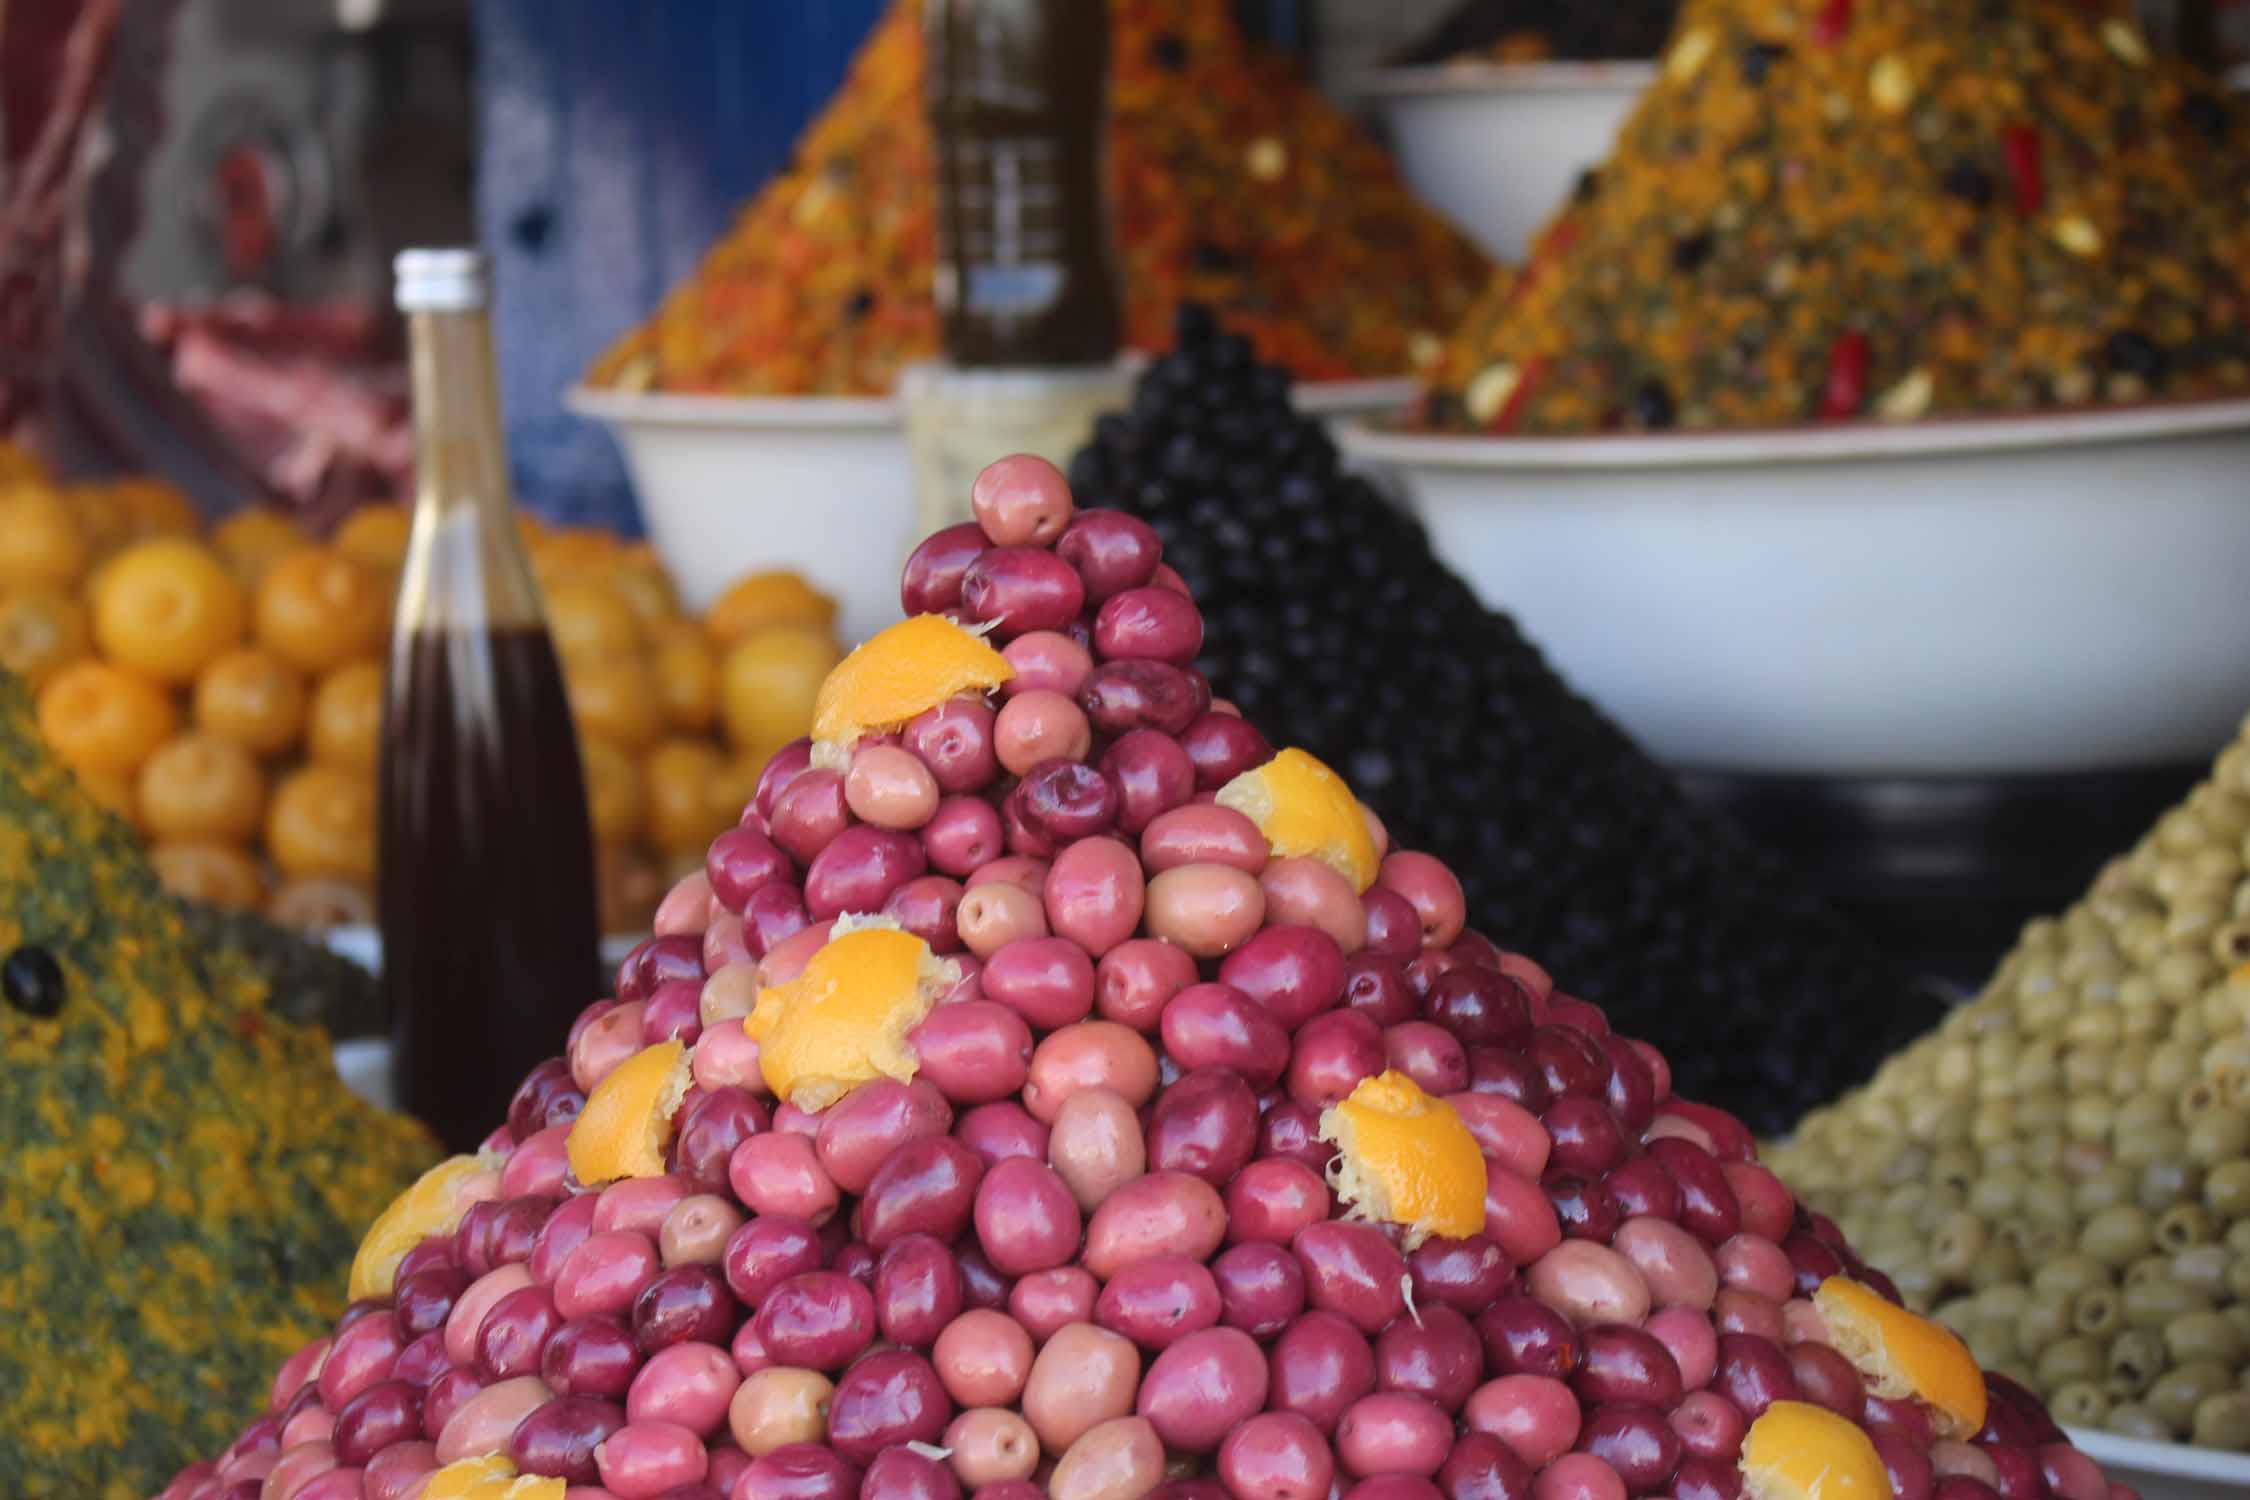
<point x="486" y="859"/>
<point x="1017" y="94"/>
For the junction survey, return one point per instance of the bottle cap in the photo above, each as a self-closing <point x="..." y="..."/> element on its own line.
<point x="444" y="280"/>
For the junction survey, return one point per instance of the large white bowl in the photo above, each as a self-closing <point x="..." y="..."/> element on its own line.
<point x="2167" y="1471"/>
<point x="1498" y="147"/>
<point x="728" y="484"/>
<point x="1994" y="595"/>
<point x="819" y="484"/>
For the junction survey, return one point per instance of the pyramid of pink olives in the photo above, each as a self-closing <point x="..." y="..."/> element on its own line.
<point x="1052" y="1088"/>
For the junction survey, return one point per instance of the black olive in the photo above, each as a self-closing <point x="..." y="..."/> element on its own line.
<point x="1168" y="52"/>
<point x="1589" y="183"/>
<point x="2206" y="114"/>
<point x="1214" y="259"/>
<point x="1652" y="406"/>
<point x="1691" y="251"/>
<point x="2133" y="352"/>
<point x="861" y="304"/>
<point x="32" y="981"/>
<point x="1969" y="182"/>
<point x="1759" y="57"/>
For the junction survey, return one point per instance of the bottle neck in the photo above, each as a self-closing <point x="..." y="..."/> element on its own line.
<point x="460" y="462"/>
<point x="465" y="564"/>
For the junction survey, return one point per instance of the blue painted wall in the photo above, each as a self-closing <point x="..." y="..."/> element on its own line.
<point x="617" y="138"/>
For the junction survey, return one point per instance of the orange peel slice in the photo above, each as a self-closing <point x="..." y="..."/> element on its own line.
<point x="1798" y="1451"/>
<point x="843" y="1020"/>
<point x="1405" y="1157"/>
<point x="1305" y="809"/>
<point x="626" y="1122"/>
<point x="430" y="1205"/>
<point x="1904" y="1354"/>
<point x="899" y="672"/>
<point x="491" y="1477"/>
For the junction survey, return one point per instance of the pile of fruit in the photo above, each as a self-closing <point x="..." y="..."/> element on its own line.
<point x="1530" y="31"/>
<point x="1051" y="1089"/>
<point x="224" y="693"/>
<point x="1234" y="183"/>
<point x="185" y="1179"/>
<point x="1331" y="622"/>
<point x="2062" y="1170"/>
<point x="1826" y="210"/>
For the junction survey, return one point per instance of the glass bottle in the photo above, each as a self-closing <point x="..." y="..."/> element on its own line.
<point x="486" y="859"/>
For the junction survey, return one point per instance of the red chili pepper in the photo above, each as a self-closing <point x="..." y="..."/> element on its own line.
<point x="1846" y="391"/>
<point x="1504" y="420"/>
<point x="2021" y="145"/>
<point x="1834" y="20"/>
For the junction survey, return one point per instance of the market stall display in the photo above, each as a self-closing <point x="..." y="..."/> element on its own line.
<point x="743" y="1244"/>
<point x="2061" y="1171"/>
<point x="186" y="1180"/>
<point x="1235" y="184"/>
<point x="1824" y="211"/>
<point x="223" y="691"/>
<point x="1570" y="841"/>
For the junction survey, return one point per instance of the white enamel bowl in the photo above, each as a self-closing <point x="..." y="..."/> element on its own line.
<point x="2167" y="1471"/>
<point x="818" y="484"/>
<point x="1497" y="147"/>
<point x="2024" y="594"/>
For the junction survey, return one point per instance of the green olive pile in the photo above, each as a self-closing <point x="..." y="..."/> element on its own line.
<point x="2061" y="1171"/>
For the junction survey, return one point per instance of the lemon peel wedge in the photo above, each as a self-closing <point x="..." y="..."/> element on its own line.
<point x="1305" y="809"/>
<point x="843" y="1020"/>
<point x="430" y="1205"/>
<point x="490" y="1477"/>
<point x="1798" y="1451"/>
<point x="1405" y="1157"/>
<point x="895" y="674"/>
<point x="626" y="1122"/>
<point x="1904" y="1354"/>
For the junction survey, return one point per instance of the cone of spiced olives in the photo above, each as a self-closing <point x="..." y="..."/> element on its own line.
<point x="2061" y="1171"/>
<point x="1052" y="1087"/>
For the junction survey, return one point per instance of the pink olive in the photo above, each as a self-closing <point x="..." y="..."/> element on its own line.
<point x="1333" y="1054"/>
<point x="689" y="1385"/>
<point x="1163" y="1213"/>
<point x="1309" y="893"/>
<point x="930" y="583"/>
<point x="1207" y="909"/>
<point x="890" y="788"/>
<point x="1089" y="1054"/>
<point x="638" y="1203"/>
<point x="996" y="913"/>
<point x="1518" y="1217"/>
<point x="1085" y="1376"/>
<point x="1096" y="1144"/>
<point x="1038" y="726"/>
<point x="1673" y="1264"/>
<point x="1137" y="979"/>
<point x="1687" y="1335"/>
<point x="1276" y="1455"/>
<point x="483" y="1423"/>
<point x="1431" y="889"/>
<point x="983" y="1358"/>
<point x="1272" y="1199"/>
<point x="973" y="1051"/>
<point x="613" y="1037"/>
<point x="962" y="834"/>
<point x="779" y="1172"/>
<point x="1203" y="1386"/>
<point x="1505" y="1131"/>
<point x="1049" y="981"/>
<point x="1002" y="1129"/>
<point x="1589" y="1284"/>
<point x="955" y="742"/>
<point x="864" y="1127"/>
<point x="1156" y="1303"/>
<point x="1203" y="834"/>
<point x="1047" y="661"/>
<point x="1047" y="1301"/>
<point x="1353" y="1271"/>
<point x="1392" y="1433"/>
<point x="1021" y="500"/>
<point x="1026" y="1217"/>
<point x="644" y="1459"/>
<point x="1095" y="895"/>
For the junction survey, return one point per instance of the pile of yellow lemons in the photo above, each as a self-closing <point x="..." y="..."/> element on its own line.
<point x="222" y="688"/>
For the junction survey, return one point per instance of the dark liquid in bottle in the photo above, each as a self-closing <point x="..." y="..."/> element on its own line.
<point x="1017" y="93"/>
<point x="487" y="871"/>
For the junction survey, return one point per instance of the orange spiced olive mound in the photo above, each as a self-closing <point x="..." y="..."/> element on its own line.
<point x="1829" y="210"/>
<point x="1234" y="184"/>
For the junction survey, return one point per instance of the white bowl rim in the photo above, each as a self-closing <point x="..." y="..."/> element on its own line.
<point x="1843" y="443"/>
<point x="680" y="409"/>
<point x="2181" y="1460"/>
<point x="1320" y="398"/>
<point x="1598" y="76"/>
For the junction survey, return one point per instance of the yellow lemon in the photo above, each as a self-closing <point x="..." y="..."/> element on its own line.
<point x="1405" y="1157"/>
<point x="1305" y="809"/>
<point x="843" y="1021"/>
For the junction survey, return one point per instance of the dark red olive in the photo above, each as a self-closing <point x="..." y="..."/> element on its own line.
<point x="1643" y="1189"/>
<point x="1635" y="1440"/>
<point x="1467" y="1275"/>
<point x="1481" y="1467"/>
<point x="1623" y="1363"/>
<point x="1511" y="1075"/>
<point x="1205" y="1125"/>
<point x="1435" y="1355"/>
<point x="1588" y="1138"/>
<point x="886" y="1400"/>
<point x="1753" y="1373"/>
<point x="1526" y="1337"/>
<point x="709" y="1130"/>
<point x="1376" y="986"/>
<point x="423" y="1300"/>
<point x="558" y="1440"/>
<point x="1320" y="1365"/>
<point x="590" y="1357"/>
<point x="1261" y="1288"/>
<point x="682" y="1305"/>
<point x="1585" y="1209"/>
<point x="1483" y="1007"/>
<point x="1569" y="1060"/>
<point x="1708" y="1207"/>
<point x="1292" y="1131"/>
<point x="917" y="1291"/>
